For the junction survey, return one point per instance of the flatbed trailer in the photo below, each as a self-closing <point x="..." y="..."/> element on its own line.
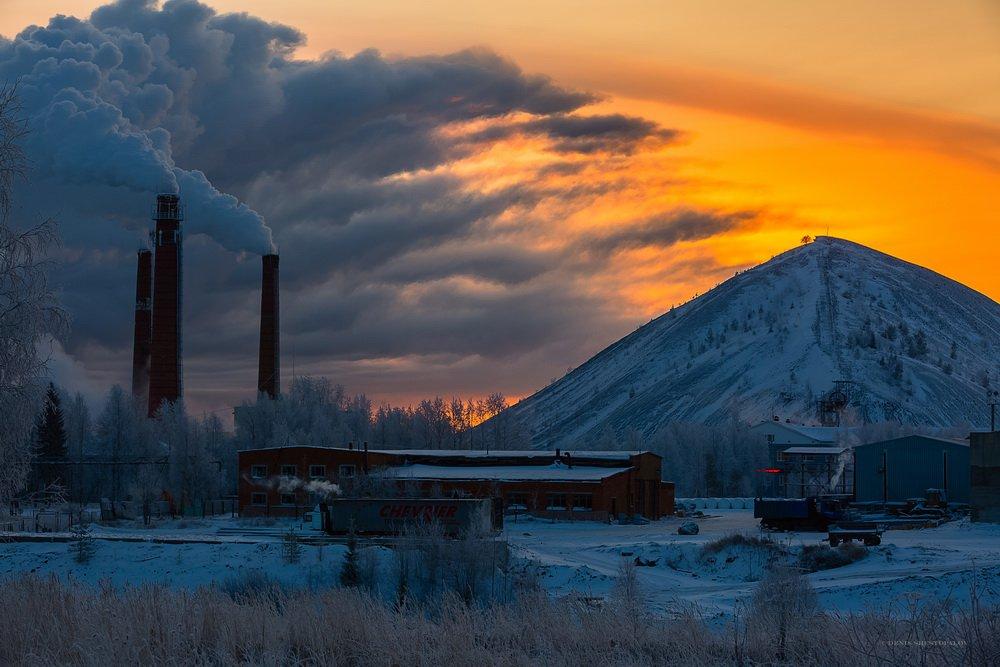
<point x="864" y="531"/>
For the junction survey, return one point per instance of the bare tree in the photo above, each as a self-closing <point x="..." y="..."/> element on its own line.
<point x="29" y="312"/>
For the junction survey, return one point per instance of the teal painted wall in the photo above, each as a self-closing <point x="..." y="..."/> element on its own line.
<point x="914" y="464"/>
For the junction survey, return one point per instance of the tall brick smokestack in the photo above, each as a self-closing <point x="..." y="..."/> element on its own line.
<point x="268" y="367"/>
<point x="143" y="327"/>
<point x="165" y="373"/>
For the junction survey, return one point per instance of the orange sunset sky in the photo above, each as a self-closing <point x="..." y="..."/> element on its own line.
<point x="878" y="122"/>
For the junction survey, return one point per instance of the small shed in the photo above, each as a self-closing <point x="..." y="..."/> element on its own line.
<point x="901" y="468"/>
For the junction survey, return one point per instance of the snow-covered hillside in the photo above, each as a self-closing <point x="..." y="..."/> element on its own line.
<point x="918" y="348"/>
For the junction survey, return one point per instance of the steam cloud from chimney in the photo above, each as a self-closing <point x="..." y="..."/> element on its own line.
<point x="95" y="105"/>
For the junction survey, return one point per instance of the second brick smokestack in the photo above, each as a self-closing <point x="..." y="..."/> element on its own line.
<point x="165" y="372"/>
<point x="143" y="327"/>
<point x="268" y="368"/>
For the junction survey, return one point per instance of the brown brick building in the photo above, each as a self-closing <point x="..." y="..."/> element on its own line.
<point x="284" y="481"/>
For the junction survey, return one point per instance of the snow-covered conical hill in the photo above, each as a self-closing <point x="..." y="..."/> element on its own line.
<point x="917" y="346"/>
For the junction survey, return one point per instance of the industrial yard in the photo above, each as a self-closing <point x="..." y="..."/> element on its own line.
<point x="566" y="558"/>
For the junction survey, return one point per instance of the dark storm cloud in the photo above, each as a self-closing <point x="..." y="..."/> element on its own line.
<point x="567" y="133"/>
<point x="387" y="251"/>
<point x="495" y="261"/>
<point x="663" y="230"/>
<point x="588" y="134"/>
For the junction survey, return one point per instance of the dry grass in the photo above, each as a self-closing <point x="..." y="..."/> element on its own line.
<point x="739" y="540"/>
<point x="816" y="557"/>
<point x="46" y="622"/>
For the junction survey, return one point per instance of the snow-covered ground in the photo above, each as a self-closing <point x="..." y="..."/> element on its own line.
<point x="931" y="563"/>
<point x="570" y="558"/>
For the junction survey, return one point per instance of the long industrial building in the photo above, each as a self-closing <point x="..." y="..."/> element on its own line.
<point x="286" y="481"/>
<point x="985" y="476"/>
<point x="903" y="468"/>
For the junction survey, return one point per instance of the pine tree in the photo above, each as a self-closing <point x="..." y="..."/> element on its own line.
<point x="350" y="573"/>
<point x="50" y="428"/>
<point x="82" y="544"/>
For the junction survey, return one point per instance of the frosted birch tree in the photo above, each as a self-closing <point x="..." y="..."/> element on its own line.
<point x="29" y="311"/>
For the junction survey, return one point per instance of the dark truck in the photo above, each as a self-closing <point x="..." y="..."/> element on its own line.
<point x="813" y="513"/>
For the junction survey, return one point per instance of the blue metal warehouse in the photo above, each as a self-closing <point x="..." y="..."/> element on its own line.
<point x="902" y="468"/>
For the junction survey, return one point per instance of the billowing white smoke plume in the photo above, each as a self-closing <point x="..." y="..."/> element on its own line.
<point x="103" y="109"/>
<point x="349" y="157"/>
<point x="320" y="487"/>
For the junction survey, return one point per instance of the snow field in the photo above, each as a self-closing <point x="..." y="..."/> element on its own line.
<point x="567" y="558"/>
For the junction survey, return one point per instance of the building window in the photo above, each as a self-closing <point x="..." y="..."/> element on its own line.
<point x="258" y="499"/>
<point x="288" y="471"/>
<point x="517" y="501"/>
<point x="770" y="438"/>
<point x="583" y="502"/>
<point x="557" y="501"/>
<point x="287" y="498"/>
<point x="346" y="470"/>
<point x="316" y="471"/>
<point x="258" y="471"/>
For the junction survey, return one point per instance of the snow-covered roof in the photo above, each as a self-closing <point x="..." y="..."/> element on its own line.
<point x="832" y="451"/>
<point x="554" y="472"/>
<point x="516" y="453"/>
<point x="609" y="455"/>
<point x="814" y="433"/>
<point x="817" y="433"/>
<point x="950" y="441"/>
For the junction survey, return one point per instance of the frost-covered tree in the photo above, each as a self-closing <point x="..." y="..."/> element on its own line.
<point x="120" y="433"/>
<point x="702" y="460"/>
<point x="29" y="311"/>
<point x="193" y="471"/>
<point x="78" y="440"/>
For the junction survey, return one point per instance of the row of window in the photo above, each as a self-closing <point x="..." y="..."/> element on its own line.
<point x="259" y="471"/>
<point x="260" y="499"/>
<point x="554" y="501"/>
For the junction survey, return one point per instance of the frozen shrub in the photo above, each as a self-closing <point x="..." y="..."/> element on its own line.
<point x="739" y="540"/>
<point x="783" y="608"/>
<point x="816" y="557"/>
<point x="291" y="548"/>
<point x="350" y="572"/>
